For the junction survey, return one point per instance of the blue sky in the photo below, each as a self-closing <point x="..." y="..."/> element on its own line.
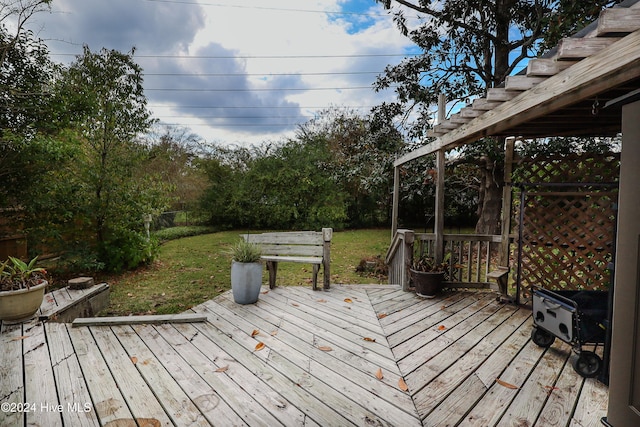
<point x="238" y="71"/>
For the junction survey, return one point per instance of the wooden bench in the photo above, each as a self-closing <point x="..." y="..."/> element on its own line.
<point x="311" y="247"/>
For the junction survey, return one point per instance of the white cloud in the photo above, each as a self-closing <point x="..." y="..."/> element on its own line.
<point x="252" y="46"/>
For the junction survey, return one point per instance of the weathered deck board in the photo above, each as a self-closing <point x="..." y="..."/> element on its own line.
<point x="316" y="367"/>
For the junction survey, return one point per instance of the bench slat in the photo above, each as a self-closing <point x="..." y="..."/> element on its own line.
<point x="286" y="238"/>
<point x="309" y="260"/>
<point x="268" y="249"/>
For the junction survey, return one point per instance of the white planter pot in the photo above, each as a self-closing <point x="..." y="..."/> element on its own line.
<point x="246" y="281"/>
<point x="21" y="304"/>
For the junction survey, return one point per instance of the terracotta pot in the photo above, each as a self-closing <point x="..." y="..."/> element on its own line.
<point x="427" y="283"/>
<point x="20" y="305"/>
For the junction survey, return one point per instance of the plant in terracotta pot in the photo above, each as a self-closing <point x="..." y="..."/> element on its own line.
<point x="22" y="288"/>
<point x="427" y="275"/>
<point x="246" y="272"/>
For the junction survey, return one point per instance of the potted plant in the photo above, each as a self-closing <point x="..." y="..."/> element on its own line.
<point x="246" y="272"/>
<point x="427" y="275"/>
<point x="22" y="288"/>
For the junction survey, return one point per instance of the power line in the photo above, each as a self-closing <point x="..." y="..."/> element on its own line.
<point x="376" y="15"/>
<point x="256" y="89"/>
<point x="363" y="55"/>
<point x="331" y="73"/>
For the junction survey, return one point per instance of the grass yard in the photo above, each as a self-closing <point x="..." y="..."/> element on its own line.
<point x="191" y="270"/>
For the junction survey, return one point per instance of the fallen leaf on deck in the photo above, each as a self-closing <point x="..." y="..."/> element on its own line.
<point x="295" y="305"/>
<point x="222" y="369"/>
<point x="402" y="385"/>
<point x="20" y="338"/>
<point x="550" y="389"/>
<point x="379" y="374"/>
<point x="254" y="333"/>
<point x="369" y="339"/>
<point x="264" y="292"/>
<point x="443" y="307"/>
<point x="274" y="333"/>
<point x="442" y="328"/>
<point x="348" y="300"/>
<point x="322" y="300"/>
<point x="325" y="348"/>
<point x="382" y="315"/>
<point x="134" y="359"/>
<point x="259" y="346"/>
<point x="506" y="384"/>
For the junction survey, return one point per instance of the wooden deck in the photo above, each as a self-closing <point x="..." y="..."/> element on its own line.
<point x="300" y="357"/>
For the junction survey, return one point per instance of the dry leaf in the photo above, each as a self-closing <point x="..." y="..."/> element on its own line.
<point x="254" y="333"/>
<point x="348" y="300"/>
<point x="222" y="369"/>
<point x="506" y="384"/>
<point x="265" y="292"/>
<point x="369" y="339"/>
<point x="325" y="348"/>
<point x="442" y="328"/>
<point x="274" y="333"/>
<point x="379" y="374"/>
<point x="295" y="305"/>
<point x="259" y="346"/>
<point x="322" y="300"/>
<point x="382" y="315"/>
<point x="443" y="307"/>
<point x="402" y="385"/>
<point x="20" y="338"/>
<point x="134" y="359"/>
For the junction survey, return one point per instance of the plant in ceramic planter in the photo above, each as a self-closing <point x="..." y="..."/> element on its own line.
<point x="246" y="272"/>
<point x="427" y="275"/>
<point x="22" y="288"/>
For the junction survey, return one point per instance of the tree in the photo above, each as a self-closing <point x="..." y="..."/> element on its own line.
<point x="360" y="159"/>
<point x="25" y="75"/>
<point x="107" y="113"/>
<point x="468" y="47"/>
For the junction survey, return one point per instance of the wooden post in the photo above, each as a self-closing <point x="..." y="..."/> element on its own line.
<point x="439" y="202"/>
<point x="439" y="208"/>
<point x="327" y="235"/>
<point x="407" y="257"/>
<point x="505" y="219"/>
<point x="396" y="201"/>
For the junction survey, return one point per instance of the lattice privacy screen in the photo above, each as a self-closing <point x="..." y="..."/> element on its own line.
<point x="565" y="222"/>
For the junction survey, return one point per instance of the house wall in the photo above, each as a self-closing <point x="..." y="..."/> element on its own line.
<point x="624" y="384"/>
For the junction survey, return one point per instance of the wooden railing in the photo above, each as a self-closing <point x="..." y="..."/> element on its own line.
<point x="471" y="257"/>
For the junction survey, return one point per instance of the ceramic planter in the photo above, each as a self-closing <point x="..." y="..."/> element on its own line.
<point x="246" y="281"/>
<point x="427" y="283"/>
<point x="21" y="304"/>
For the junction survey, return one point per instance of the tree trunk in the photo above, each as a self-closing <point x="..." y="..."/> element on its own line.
<point x="490" y="198"/>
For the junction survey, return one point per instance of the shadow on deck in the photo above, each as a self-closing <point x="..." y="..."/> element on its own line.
<point x="299" y="357"/>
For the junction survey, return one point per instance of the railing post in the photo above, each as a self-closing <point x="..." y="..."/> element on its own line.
<point x="439" y="208"/>
<point x="407" y="257"/>
<point x="396" y="201"/>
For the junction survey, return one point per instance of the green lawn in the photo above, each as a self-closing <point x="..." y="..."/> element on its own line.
<point x="191" y="270"/>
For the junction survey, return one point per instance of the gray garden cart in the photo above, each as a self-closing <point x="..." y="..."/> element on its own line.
<point x="577" y="318"/>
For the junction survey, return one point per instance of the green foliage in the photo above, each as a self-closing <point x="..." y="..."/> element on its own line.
<point x="243" y="251"/>
<point x="174" y="233"/>
<point x="16" y="274"/>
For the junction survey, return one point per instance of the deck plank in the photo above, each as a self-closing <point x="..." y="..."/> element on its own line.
<point x="173" y="399"/>
<point x="203" y="394"/>
<point x="109" y="404"/>
<point x="39" y="382"/>
<point x="320" y="365"/>
<point x="136" y="392"/>
<point x="11" y="374"/>
<point x="70" y="383"/>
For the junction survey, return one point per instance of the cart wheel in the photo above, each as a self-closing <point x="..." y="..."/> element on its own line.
<point x="587" y="364"/>
<point x="542" y="338"/>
